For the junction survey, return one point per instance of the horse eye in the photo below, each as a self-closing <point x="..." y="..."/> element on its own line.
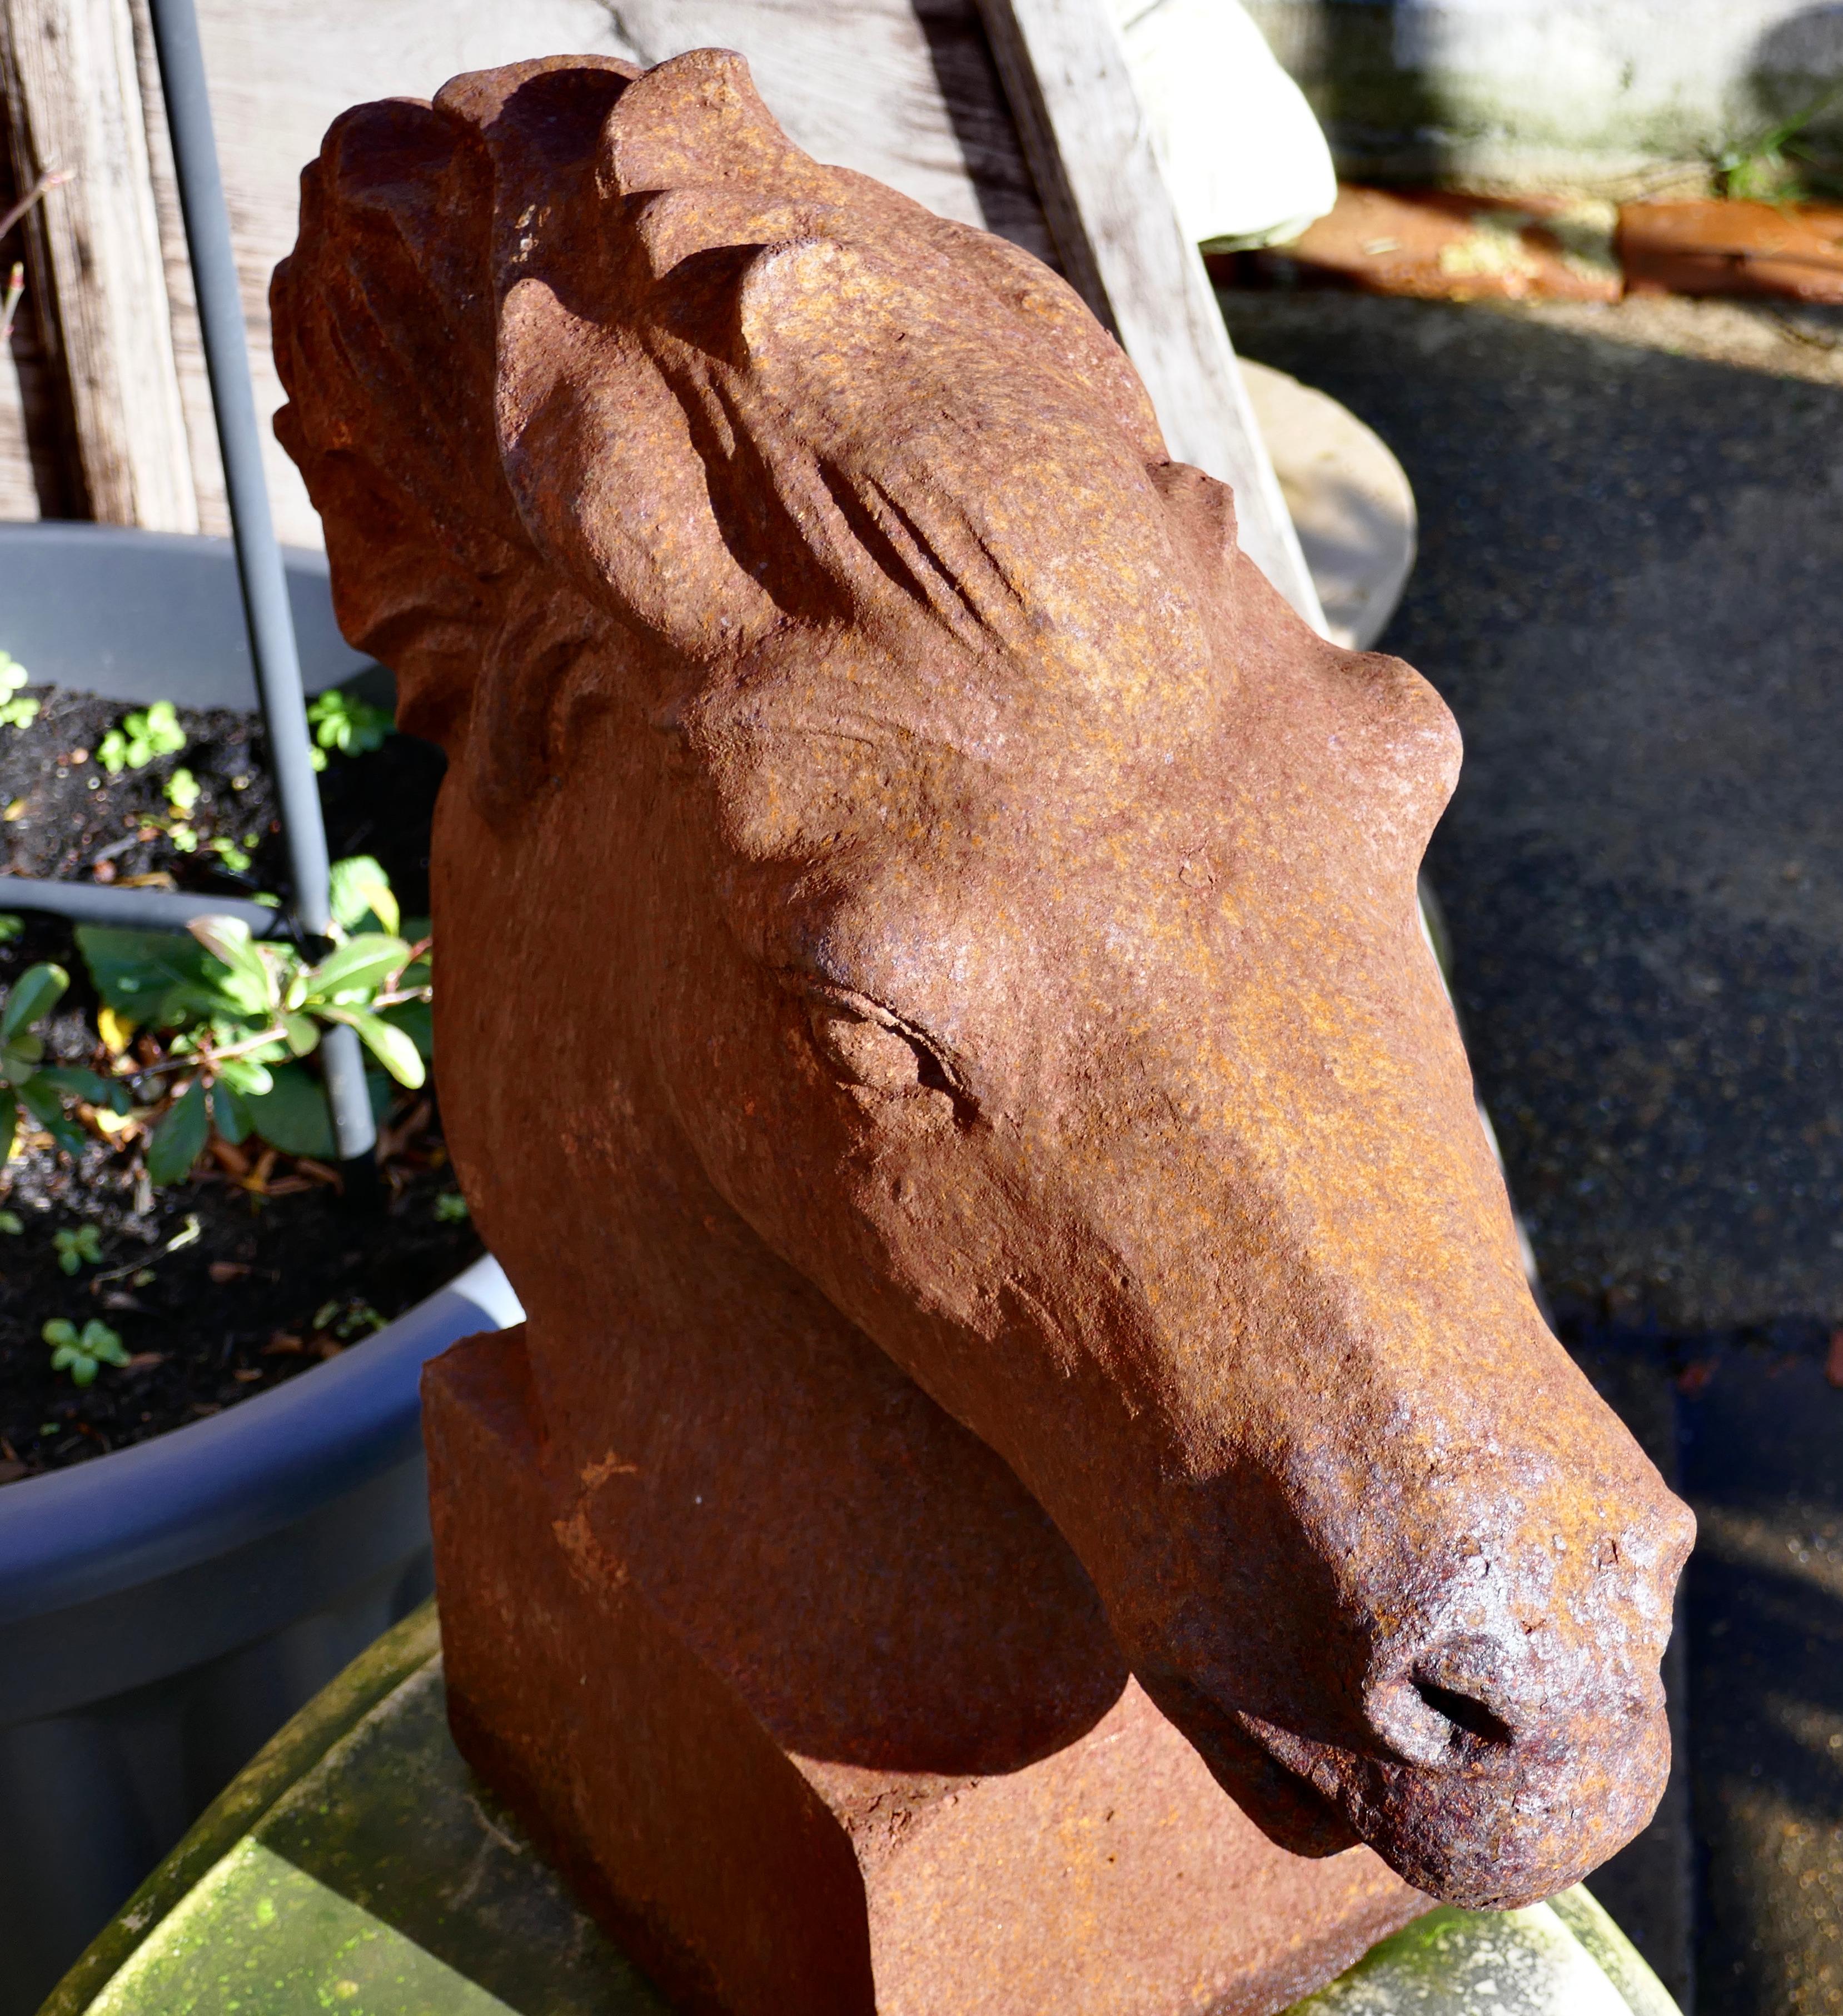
<point x="866" y="1053"/>
<point x="864" y="1044"/>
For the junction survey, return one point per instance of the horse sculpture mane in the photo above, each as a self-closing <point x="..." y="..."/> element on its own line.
<point x="1025" y="1339"/>
<point x="731" y="392"/>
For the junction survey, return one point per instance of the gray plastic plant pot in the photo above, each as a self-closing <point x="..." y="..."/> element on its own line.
<point x="165" y="1609"/>
<point x="147" y="616"/>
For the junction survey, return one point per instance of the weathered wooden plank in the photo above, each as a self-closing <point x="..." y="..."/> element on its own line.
<point x="1092" y="152"/>
<point x="903" y="90"/>
<point x="26" y="429"/>
<point x="74" y="104"/>
<point x="189" y="350"/>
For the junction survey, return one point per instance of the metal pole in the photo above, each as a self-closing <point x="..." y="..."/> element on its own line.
<point x="258" y="556"/>
<point x="127" y="909"/>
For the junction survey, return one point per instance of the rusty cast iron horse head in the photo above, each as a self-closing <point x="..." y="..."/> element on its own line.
<point x="897" y="851"/>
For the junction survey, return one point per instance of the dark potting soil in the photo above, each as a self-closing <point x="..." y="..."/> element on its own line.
<point x="229" y="1284"/>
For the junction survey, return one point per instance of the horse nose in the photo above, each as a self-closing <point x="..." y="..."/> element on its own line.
<point x="1451" y="1701"/>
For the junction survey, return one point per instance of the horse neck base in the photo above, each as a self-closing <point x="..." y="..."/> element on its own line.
<point x="1098" y="1872"/>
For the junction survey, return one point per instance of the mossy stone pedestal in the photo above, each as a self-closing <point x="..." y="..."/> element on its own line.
<point x="356" y="1867"/>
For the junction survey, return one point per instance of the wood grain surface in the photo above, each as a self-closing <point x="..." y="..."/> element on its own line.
<point x="74" y="102"/>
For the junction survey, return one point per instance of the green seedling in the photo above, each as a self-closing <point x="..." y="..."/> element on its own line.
<point x="182" y="792"/>
<point x="12" y="926"/>
<point x="12" y="1224"/>
<point x="243" y="1014"/>
<point x="343" y="722"/>
<point x="347" y="1320"/>
<point x="14" y="710"/>
<point x="451" y="1208"/>
<point x="81" y="1248"/>
<point x="1775" y="166"/>
<point x="29" y="1088"/>
<point x="150" y="733"/>
<point x="83" y="1353"/>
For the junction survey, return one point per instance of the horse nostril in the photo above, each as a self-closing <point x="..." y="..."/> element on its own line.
<point x="1464" y="1713"/>
<point x="1447" y="1705"/>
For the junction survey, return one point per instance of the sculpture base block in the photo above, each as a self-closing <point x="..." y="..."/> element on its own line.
<point x="1113" y="1876"/>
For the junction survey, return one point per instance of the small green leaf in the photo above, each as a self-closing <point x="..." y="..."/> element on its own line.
<point x="391" y="1048"/>
<point x="78" y="1248"/>
<point x="180" y="1138"/>
<point x="11" y="1223"/>
<point x="20" y="1058"/>
<point x="60" y="1329"/>
<point x="416" y="1019"/>
<point x="248" y="979"/>
<point x="229" y="1115"/>
<point x="360" y="889"/>
<point x="80" y="1084"/>
<point x="182" y="791"/>
<point x="353" y="971"/>
<point x="9" y="1127"/>
<point x="451" y="1208"/>
<point x="246" y="1074"/>
<point x="292" y="1115"/>
<point x="36" y="992"/>
<point x="304" y="1035"/>
<point x="343" y="722"/>
<point x="104" y="1344"/>
<point x="12" y="925"/>
<point x="135" y="970"/>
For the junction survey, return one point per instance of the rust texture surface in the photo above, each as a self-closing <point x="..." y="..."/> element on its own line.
<point x="1032" y="1476"/>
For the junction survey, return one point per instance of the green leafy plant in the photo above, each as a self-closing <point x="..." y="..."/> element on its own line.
<point x="14" y="710"/>
<point x="451" y="1208"/>
<point x="12" y="926"/>
<point x="343" y="722"/>
<point x="82" y="1352"/>
<point x="150" y="733"/>
<point x="182" y="792"/>
<point x="78" y="1248"/>
<point x="239" y="1014"/>
<point x="29" y="1088"/>
<point x="1778" y="165"/>
<point x="347" y="1319"/>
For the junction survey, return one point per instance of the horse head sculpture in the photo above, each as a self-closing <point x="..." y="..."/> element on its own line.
<point x="906" y="879"/>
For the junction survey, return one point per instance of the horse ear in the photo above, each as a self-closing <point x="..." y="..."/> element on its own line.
<point x="791" y="294"/>
<point x="697" y="120"/>
<point x="1199" y="501"/>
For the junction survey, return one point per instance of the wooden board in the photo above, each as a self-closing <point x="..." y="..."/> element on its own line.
<point x="73" y="104"/>
<point x="907" y="91"/>
<point x="1096" y="164"/>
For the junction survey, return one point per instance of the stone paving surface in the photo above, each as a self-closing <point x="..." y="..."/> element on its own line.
<point x="1631" y="592"/>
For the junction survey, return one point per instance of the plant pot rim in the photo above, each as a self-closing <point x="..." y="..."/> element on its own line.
<point x="163" y="1505"/>
<point x="138" y="616"/>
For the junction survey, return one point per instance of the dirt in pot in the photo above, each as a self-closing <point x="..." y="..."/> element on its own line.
<point x="179" y="1300"/>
